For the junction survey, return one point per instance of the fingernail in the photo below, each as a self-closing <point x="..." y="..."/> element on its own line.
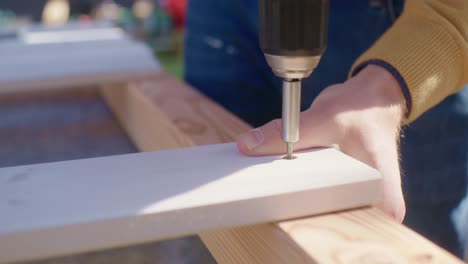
<point x="252" y="139"/>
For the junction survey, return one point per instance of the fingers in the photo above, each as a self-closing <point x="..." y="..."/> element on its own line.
<point x="393" y="205"/>
<point x="381" y="152"/>
<point x="267" y="139"/>
<point x="385" y="159"/>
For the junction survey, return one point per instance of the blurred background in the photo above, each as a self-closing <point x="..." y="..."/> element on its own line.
<point x="160" y="23"/>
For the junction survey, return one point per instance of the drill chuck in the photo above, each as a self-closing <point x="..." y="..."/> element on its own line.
<point x="293" y="35"/>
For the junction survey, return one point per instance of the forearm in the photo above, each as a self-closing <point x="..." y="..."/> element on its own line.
<point x="426" y="51"/>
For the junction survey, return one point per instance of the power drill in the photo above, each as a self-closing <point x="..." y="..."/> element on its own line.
<point x="293" y="37"/>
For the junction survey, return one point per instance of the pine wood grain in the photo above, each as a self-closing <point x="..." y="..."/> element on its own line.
<point x="357" y="236"/>
<point x="149" y="131"/>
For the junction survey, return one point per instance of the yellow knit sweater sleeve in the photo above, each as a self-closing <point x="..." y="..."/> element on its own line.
<point x="427" y="48"/>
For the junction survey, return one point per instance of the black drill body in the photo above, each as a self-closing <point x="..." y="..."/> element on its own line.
<point x="293" y="27"/>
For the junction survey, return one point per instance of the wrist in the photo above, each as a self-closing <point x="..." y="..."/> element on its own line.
<point x="377" y="85"/>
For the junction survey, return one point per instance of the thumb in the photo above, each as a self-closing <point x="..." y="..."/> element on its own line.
<point x="267" y="139"/>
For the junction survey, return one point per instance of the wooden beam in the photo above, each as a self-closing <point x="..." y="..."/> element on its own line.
<point x="67" y="207"/>
<point x="357" y="236"/>
<point x="146" y="125"/>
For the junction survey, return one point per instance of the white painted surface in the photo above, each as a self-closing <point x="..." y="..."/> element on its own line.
<point x="26" y="66"/>
<point x="69" y="207"/>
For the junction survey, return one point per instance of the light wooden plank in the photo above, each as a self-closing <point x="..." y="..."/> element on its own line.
<point x="72" y="81"/>
<point x="67" y="207"/>
<point x="365" y="229"/>
<point x="73" y="64"/>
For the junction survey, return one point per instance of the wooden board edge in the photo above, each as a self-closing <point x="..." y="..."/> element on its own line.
<point x="73" y="81"/>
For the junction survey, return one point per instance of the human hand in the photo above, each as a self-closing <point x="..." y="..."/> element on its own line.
<point x="361" y="117"/>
